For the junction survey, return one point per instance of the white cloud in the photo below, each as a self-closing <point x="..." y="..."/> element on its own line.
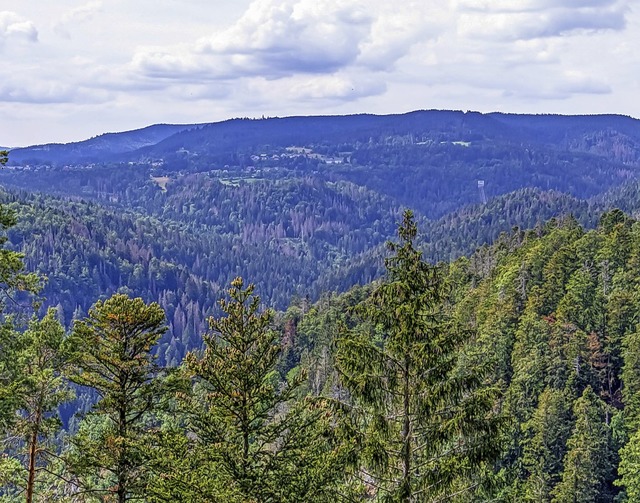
<point x="529" y="5"/>
<point x="35" y="93"/>
<point x="338" y="87"/>
<point x="279" y="38"/>
<point x="531" y="19"/>
<point x="76" y="15"/>
<point x="13" y="25"/>
<point x="47" y="92"/>
<point x="283" y="37"/>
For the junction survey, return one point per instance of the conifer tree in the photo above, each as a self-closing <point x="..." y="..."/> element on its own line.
<point x="545" y="447"/>
<point x="262" y="446"/>
<point x="44" y="357"/>
<point x="631" y="379"/>
<point x="115" y="360"/>
<point x="424" y="420"/>
<point x="40" y="359"/>
<point x="13" y="280"/>
<point x="629" y="469"/>
<point x="588" y="462"/>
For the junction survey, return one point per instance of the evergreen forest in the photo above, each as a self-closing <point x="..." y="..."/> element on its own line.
<point x="324" y="309"/>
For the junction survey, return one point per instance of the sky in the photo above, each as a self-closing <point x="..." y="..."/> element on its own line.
<point x="74" y="69"/>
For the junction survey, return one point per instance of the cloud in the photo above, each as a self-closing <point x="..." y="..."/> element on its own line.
<point x="538" y="19"/>
<point x="47" y="92"/>
<point x="529" y="5"/>
<point x="36" y="93"/>
<point x="575" y="82"/>
<point x="337" y="87"/>
<point x="279" y="38"/>
<point x="156" y="61"/>
<point x="76" y="15"/>
<point x="259" y="92"/>
<point x="341" y="51"/>
<point x="13" y="25"/>
<point x="293" y="36"/>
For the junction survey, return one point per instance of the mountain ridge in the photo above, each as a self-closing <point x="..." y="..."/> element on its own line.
<point x="238" y="134"/>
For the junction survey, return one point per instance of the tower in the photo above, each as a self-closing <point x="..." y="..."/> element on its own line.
<point x="483" y="196"/>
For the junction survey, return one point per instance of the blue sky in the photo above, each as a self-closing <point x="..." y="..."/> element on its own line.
<point x="73" y="69"/>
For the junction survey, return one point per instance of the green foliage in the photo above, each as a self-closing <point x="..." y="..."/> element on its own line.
<point x="261" y="443"/>
<point x="548" y="316"/>
<point x="114" y="358"/>
<point x="558" y="314"/>
<point x="629" y="468"/>
<point x="14" y="284"/>
<point x="631" y="379"/>
<point x="13" y="278"/>
<point x="588" y="462"/>
<point x="40" y="388"/>
<point x="425" y="420"/>
<point x="545" y="446"/>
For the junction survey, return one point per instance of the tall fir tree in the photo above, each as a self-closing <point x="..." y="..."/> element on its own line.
<point x="14" y="281"/>
<point x="545" y="444"/>
<point x="425" y="421"/>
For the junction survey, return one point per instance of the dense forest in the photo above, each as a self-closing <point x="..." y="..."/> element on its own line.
<point x="508" y="375"/>
<point x="246" y="311"/>
<point x="294" y="238"/>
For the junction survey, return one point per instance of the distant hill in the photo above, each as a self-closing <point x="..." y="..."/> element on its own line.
<point x="428" y="160"/>
<point x="614" y="137"/>
<point x="104" y="148"/>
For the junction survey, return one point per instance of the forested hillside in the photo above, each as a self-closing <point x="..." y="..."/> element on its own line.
<point x="554" y="316"/>
<point x="295" y="238"/>
<point x="430" y="161"/>
<point x="486" y="354"/>
<point x="517" y="364"/>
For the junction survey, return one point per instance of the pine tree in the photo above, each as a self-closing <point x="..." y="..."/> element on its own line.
<point x="115" y="360"/>
<point x="263" y="446"/>
<point x="42" y="356"/>
<point x="424" y="420"/>
<point x="13" y="281"/>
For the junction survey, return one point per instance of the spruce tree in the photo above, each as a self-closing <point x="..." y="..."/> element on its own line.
<point x="115" y="359"/>
<point x="264" y="442"/>
<point x="588" y="462"/>
<point x="424" y="420"/>
<point x="545" y="445"/>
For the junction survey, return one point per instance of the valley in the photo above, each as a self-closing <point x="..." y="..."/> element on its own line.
<point x="531" y="297"/>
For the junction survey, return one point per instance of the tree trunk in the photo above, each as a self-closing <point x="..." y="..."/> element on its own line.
<point x="406" y="438"/>
<point x="33" y="453"/>
<point x="123" y="455"/>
